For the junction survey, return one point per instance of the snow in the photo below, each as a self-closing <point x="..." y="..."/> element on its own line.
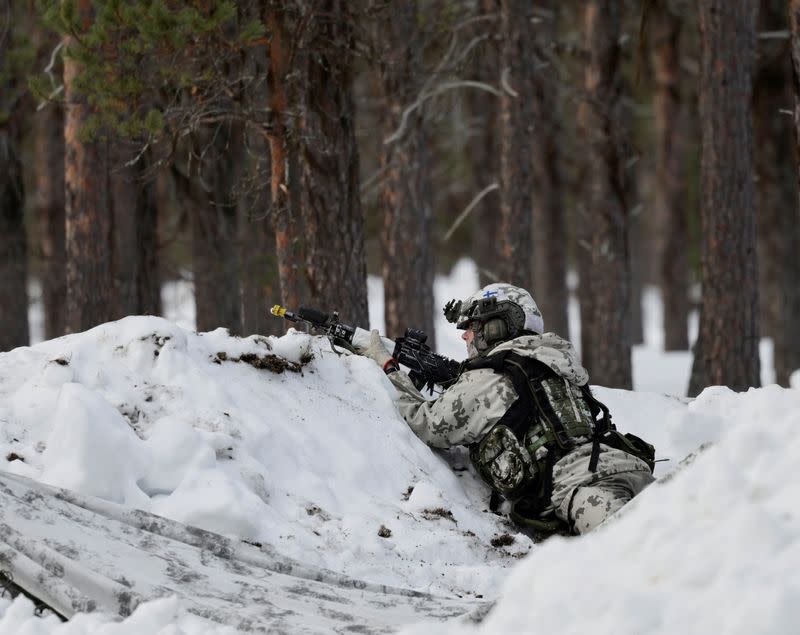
<point x="714" y="549"/>
<point x="147" y="413"/>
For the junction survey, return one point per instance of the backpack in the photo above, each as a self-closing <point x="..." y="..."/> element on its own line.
<point x="550" y="418"/>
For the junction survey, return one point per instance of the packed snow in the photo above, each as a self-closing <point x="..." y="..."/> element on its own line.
<point x="285" y="442"/>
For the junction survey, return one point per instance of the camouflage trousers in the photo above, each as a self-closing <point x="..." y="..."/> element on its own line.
<point x="589" y="505"/>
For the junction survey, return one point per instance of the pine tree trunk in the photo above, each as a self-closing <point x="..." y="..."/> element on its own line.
<point x="583" y="257"/>
<point x="637" y="258"/>
<point x="13" y="253"/>
<point x="778" y="223"/>
<point x="609" y="335"/>
<point x="135" y="238"/>
<point x="49" y="212"/>
<point x="284" y="182"/>
<point x="516" y="143"/>
<point x="333" y="223"/>
<point x="260" y="285"/>
<point x="549" y="232"/>
<point x="90" y="287"/>
<point x="729" y="315"/>
<point x="259" y="272"/>
<point x="406" y="232"/>
<point x="484" y="147"/>
<point x="670" y="184"/>
<point x="790" y="354"/>
<point x="214" y="234"/>
<point x="149" y="276"/>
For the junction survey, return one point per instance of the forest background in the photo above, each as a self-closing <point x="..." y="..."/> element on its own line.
<point x="278" y="150"/>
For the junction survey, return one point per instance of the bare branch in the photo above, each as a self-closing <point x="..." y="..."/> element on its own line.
<point x="442" y="88"/>
<point x="504" y="83"/>
<point x="774" y="35"/>
<point x="472" y="205"/>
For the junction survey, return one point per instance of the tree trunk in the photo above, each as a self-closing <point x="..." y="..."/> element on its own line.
<point x="407" y="278"/>
<point x="636" y="266"/>
<point x="790" y="358"/>
<point x="260" y="285"/>
<point x="259" y="272"/>
<point x="516" y="143"/>
<point x="90" y="287"/>
<point x="214" y="233"/>
<point x="670" y="183"/>
<point x="583" y="257"/>
<point x="336" y="269"/>
<point x="484" y="147"/>
<point x="729" y="314"/>
<point x="284" y="182"/>
<point x="609" y="335"/>
<point x="135" y="238"/>
<point x="13" y="254"/>
<point x="549" y="233"/>
<point x="778" y="223"/>
<point x="49" y="212"/>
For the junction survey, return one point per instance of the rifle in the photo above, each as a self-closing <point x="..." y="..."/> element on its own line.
<point x="426" y="368"/>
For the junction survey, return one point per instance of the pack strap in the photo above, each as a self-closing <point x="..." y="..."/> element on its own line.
<point x="602" y="426"/>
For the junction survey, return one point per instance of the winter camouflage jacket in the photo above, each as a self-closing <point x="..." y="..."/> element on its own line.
<point x="467" y="410"/>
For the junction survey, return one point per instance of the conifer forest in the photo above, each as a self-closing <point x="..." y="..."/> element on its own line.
<point x="278" y="151"/>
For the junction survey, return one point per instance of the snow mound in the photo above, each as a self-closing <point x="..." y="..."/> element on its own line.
<point x="712" y="547"/>
<point x="283" y="442"/>
<point x="278" y="441"/>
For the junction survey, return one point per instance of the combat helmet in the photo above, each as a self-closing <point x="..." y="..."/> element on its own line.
<point x="503" y="310"/>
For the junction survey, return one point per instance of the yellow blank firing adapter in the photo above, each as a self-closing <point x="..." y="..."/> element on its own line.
<point x="278" y="310"/>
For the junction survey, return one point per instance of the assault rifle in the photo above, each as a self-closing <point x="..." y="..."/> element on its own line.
<point x="426" y="368"/>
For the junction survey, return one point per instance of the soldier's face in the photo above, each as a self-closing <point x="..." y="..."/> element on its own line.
<point x="469" y="338"/>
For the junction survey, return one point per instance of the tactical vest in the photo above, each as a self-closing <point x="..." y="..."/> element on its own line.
<point x="550" y="417"/>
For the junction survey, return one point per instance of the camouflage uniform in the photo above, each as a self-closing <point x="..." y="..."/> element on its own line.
<point x="467" y="410"/>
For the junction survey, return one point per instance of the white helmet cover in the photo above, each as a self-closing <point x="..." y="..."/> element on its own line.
<point x="502" y="291"/>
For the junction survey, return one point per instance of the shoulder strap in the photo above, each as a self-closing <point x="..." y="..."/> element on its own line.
<point x="523" y="412"/>
<point x="602" y="425"/>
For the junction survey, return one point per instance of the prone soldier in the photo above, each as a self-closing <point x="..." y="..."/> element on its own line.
<point x="522" y="404"/>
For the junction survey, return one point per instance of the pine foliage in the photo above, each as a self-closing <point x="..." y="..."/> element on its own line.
<point x="156" y="68"/>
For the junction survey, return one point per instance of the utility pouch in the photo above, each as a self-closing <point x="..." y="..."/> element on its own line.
<point x="503" y="462"/>
<point x="631" y="444"/>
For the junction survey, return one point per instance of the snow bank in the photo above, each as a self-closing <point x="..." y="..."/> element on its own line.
<point x="278" y="441"/>
<point x="715" y="547"/>
<point x="204" y="429"/>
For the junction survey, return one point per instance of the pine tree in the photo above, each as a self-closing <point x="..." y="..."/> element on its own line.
<point x="49" y="203"/>
<point x="549" y="222"/>
<point x="90" y="287"/>
<point x="484" y="148"/>
<point x="778" y="223"/>
<point x="282" y="99"/>
<point x="136" y="257"/>
<point x="516" y="142"/>
<point x="609" y="336"/>
<point x="670" y="182"/>
<point x="727" y="349"/>
<point x="15" y="57"/>
<point x="406" y="232"/>
<point x="333" y="223"/>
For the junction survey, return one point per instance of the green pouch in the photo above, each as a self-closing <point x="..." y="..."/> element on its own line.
<point x="503" y="462"/>
<point x="631" y="444"/>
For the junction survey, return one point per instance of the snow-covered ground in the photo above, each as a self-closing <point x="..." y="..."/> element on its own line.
<point x="201" y="428"/>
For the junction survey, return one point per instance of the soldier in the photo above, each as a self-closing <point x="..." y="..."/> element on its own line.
<point x="522" y="404"/>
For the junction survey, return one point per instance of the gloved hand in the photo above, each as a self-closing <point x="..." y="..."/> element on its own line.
<point x="377" y="352"/>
